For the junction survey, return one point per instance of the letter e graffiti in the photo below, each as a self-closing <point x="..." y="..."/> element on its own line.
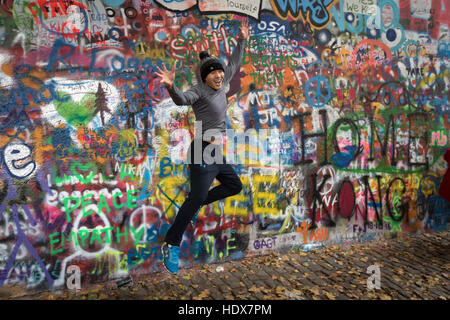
<point x="373" y="282"/>
<point x="74" y="281"/>
<point x="17" y="161"/>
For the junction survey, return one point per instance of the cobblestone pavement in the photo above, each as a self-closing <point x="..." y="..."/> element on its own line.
<point x="412" y="266"/>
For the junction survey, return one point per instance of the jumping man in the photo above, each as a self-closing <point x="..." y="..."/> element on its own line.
<point x="209" y="102"/>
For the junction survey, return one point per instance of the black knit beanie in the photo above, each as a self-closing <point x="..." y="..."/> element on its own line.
<point x="208" y="64"/>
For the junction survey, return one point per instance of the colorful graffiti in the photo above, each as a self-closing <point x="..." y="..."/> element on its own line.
<point x="351" y="97"/>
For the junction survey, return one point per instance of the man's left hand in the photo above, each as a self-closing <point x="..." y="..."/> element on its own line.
<point x="244" y="29"/>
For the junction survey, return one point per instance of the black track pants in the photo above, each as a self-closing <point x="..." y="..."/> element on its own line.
<point x="201" y="178"/>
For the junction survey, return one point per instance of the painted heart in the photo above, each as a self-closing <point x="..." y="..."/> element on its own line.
<point x="81" y="104"/>
<point x="87" y="167"/>
<point x="77" y="114"/>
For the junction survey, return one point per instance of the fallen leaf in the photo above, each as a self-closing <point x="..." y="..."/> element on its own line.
<point x="385" y="297"/>
<point x="315" y="290"/>
<point x="371" y="295"/>
<point x="330" y="295"/>
<point x="253" y="289"/>
<point x="340" y="288"/>
<point x="204" y="294"/>
<point x="279" y="289"/>
<point x="303" y="254"/>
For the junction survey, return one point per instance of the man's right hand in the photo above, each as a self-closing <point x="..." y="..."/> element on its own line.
<point x="167" y="76"/>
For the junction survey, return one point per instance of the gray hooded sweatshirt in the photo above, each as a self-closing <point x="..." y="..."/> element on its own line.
<point x="210" y="105"/>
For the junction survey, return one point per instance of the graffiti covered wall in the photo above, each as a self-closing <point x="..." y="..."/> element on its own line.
<point x="354" y="94"/>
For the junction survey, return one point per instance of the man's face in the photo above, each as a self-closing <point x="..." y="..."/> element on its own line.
<point x="214" y="79"/>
